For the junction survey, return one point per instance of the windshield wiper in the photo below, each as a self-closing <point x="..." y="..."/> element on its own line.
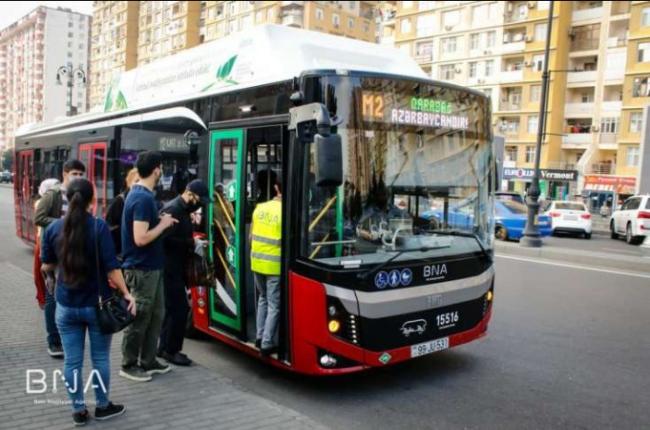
<point x="461" y="233"/>
<point x="362" y="276"/>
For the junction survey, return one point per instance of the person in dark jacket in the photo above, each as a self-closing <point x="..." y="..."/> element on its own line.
<point x="115" y="209"/>
<point x="52" y="206"/>
<point x="178" y="245"/>
<point x="80" y="248"/>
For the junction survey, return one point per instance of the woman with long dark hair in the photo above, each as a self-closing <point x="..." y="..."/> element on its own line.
<point x="70" y="245"/>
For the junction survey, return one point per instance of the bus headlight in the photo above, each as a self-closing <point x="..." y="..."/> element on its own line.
<point x="334" y="326"/>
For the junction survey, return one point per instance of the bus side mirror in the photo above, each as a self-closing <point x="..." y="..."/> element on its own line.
<point x="329" y="160"/>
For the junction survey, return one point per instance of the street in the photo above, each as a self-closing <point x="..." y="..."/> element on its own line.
<point x="567" y="348"/>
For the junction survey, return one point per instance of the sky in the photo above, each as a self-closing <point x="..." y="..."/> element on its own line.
<point x="12" y="11"/>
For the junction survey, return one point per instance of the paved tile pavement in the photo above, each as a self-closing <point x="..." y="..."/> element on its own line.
<point x="192" y="397"/>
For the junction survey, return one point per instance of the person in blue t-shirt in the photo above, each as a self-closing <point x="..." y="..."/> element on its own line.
<point x="70" y="246"/>
<point x="143" y="259"/>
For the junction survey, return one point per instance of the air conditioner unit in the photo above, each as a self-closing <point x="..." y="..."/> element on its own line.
<point x="528" y="63"/>
<point x="487" y="52"/>
<point x="532" y="4"/>
<point x="481" y="81"/>
<point x="448" y="27"/>
<point x="529" y="39"/>
<point x="506" y="38"/>
<point x="594" y="128"/>
<point x="458" y="71"/>
<point x="572" y="33"/>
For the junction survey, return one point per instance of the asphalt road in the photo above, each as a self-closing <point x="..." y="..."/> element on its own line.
<point x="597" y="243"/>
<point x="567" y="348"/>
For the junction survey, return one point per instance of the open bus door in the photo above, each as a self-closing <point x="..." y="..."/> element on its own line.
<point x="226" y="154"/>
<point x="94" y="157"/>
<point x="24" y="201"/>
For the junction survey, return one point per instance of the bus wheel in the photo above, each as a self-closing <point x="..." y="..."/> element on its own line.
<point x="501" y="233"/>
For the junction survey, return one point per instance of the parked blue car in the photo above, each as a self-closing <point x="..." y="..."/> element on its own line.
<point x="510" y="220"/>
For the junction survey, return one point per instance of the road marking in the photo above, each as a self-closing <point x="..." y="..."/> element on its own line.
<point x="636" y="254"/>
<point x="575" y="266"/>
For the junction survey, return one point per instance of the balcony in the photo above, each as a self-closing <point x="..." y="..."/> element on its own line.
<point x="292" y="20"/>
<point x="293" y="3"/>
<point x="513" y="47"/>
<point x="617" y="74"/>
<point x="424" y="58"/>
<point x="578" y="77"/>
<point x="587" y="14"/>
<point x="602" y="169"/>
<point x="511" y="76"/>
<point x="611" y="107"/>
<point x="584" y="44"/>
<point x="578" y="109"/>
<point x="608" y="141"/>
<point x="616" y="42"/>
<point x="576" y="140"/>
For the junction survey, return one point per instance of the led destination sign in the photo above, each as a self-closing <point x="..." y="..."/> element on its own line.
<point x="417" y="111"/>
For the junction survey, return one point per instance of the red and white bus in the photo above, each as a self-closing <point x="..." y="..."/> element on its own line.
<point x="388" y="181"/>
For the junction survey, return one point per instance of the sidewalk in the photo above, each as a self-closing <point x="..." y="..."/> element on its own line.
<point x="576" y="256"/>
<point x="193" y="397"/>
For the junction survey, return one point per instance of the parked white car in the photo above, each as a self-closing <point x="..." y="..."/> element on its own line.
<point x="632" y="220"/>
<point x="569" y="217"/>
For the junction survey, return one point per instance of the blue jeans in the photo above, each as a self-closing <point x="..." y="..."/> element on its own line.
<point x="53" y="337"/>
<point x="73" y="323"/>
<point x="268" y="308"/>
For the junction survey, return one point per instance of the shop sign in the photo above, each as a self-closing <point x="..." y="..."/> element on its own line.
<point x="555" y="175"/>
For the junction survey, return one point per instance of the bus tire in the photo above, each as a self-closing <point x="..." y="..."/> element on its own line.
<point x="501" y="233"/>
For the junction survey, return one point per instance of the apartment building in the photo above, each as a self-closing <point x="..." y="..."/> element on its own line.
<point x="355" y="19"/>
<point x="167" y="27"/>
<point x="37" y="55"/>
<point x="114" y="44"/>
<point x="597" y="62"/>
<point x="126" y="34"/>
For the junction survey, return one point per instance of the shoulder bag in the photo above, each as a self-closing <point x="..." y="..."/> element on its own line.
<point x="112" y="313"/>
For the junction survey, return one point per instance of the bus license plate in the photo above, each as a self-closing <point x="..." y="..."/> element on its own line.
<point x="429" y="347"/>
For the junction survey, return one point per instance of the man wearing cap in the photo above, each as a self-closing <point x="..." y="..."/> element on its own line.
<point x="178" y="245"/>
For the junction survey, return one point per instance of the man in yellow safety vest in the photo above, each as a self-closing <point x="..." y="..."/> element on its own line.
<point x="266" y="255"/>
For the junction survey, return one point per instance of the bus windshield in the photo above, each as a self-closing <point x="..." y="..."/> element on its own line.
<point x="416" y="163"/>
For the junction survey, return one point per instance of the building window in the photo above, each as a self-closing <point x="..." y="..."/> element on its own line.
<point x="643" y="52"/>
<point x="640" y="87"/>
<point x="543" y="4"/>
<point x="474" y="41"/>
<point x="336" y="20"/>
<point x="645" y="17"/>
<point x="405" y="25"/>
<point x="448" y="71"/>
<point x="609" y="125"/>
<point x="426" y="5"/>
<point x="535" y="92"/>
<point x="540" y="32"/>
<point x="530" y="154"/>
<point x="511" y="153"/>
<point x="425" y="25"/>
<point x="510" y="126"/>
<point x="532" y="124"/>
<point x="489" y="68"/>
<point x="472" y="69"/>
<point x="424" y="49"/>
<point x="451" y="18"/>
<point x="635" y="122"/>
<point x="448" y="45"/>
<point x="538" y="63"/>
<point x="319" y="14"/>
<point x="491" y="37"/>
<point x="350" y="23"/>
<point x="479" y="14"/>
<point x="632" y="156"/>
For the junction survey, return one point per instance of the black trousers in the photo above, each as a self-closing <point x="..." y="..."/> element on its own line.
<point x="176" y="310"/>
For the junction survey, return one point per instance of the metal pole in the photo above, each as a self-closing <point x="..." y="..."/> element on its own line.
<point x="531" y="237"/>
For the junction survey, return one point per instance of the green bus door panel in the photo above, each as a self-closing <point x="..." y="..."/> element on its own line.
<point x="225" y="227"/>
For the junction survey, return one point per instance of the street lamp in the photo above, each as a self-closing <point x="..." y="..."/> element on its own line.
<point x="532" y="237"/>
<point x="71" y="75"/>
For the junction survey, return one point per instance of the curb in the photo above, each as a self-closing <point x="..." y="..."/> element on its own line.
<point x="588" y="258"/>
